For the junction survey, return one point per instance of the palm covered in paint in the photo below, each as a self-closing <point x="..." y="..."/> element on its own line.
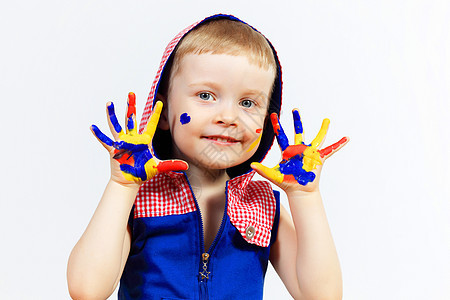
<point x="132" y="160"/>
<point x="300" y="163"/>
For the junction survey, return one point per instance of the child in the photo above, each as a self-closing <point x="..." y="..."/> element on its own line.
<point x="197" y="227"/>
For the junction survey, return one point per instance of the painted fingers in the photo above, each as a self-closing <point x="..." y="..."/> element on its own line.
<point x="131" y="114"/>
<point x="298" y="160"/>
<point x="330" y="150"/>
<point x="154" y="119"/>
<point x="282" y="139"/>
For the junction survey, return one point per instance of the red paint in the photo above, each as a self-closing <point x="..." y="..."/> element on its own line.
<point x="258" y="130"/>
<point x="123" y="157"/>
<point x="328" y="150"/>
<point x="131" y="104"/>
<point x="289" y="178"/>
<point x="275" y="125"/>
<point x="293" y="150"/>
<point x="172" y="165"/>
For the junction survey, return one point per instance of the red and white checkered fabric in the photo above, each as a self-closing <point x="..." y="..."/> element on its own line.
<point x="164" y="195"/>
<point x="169" y="49"/>
<point x="250" y="203"/>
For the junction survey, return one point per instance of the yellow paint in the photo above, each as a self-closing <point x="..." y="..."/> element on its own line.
<point x="133" y="137"/>
<point x="130" y="177"/>
<point x="272" y="173"/>
<point x="311" y="158"/>
<point x="321" y="135"/>
<point x="298" y="138"/>
<point x="151" y="168"/>
<point x="255" y="143"/>
<point x="154" y="119"/>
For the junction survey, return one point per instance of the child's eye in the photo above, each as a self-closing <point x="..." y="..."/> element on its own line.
<point x="247" y="103"/>
<point x="205" y="96"/>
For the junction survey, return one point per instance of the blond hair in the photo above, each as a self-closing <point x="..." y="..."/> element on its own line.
<point x="221" y="36"/>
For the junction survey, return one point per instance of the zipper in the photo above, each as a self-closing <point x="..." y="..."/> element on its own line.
<point x="203" y="278"/>
<point x="204" y="274"/>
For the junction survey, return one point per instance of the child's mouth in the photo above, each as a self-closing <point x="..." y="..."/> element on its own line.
<point x="224" y="140"/>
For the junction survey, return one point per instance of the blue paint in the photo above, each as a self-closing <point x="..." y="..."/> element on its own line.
<point x="121" y="145"/>
<point x="281" y="137"/>
<point x="185" y="118"/>
<point x="130" y="123"/>
<point x="140" y="159"/>
<point x="113" y="118"/>
<point x="297" y="122"/>
<point x="294" y="167"/>
<point x="101" y="136"/>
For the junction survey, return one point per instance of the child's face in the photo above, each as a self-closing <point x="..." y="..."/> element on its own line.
<point x="217" y="104"/>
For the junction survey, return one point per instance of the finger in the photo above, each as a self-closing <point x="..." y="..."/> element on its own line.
<point x="154" y="119"/>
<point x="298" y="127"/>
<point x="268" y="173"/>
<point x="102" y="138"/>
<point x="114" y="125"/>
<point x="172" y="165"/>
<point x="321" y="135"/>
<point x="131" y="114"/>
<point x="330" y="150"/>
<point x="279" y="133"/>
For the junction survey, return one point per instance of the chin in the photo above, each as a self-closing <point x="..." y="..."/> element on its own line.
<point x="220" y="162"/>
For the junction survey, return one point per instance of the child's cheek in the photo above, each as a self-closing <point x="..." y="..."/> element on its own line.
<point x="185" y="118"/>
<point x="256" y="142"/>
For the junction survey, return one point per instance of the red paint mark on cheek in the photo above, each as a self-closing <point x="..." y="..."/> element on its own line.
<point x="131" y="104"/>
<point x="258" y="130"/>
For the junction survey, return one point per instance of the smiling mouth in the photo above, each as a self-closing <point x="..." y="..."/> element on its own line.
<point x="222" y="139"/>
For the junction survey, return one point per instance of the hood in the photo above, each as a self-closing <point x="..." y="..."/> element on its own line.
<point x="274" y="106"/>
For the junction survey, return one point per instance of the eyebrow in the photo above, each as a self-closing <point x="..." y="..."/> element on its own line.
<point x="205" y="83"/>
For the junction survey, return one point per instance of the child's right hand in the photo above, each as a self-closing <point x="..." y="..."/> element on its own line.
<point x="131" y="159"/>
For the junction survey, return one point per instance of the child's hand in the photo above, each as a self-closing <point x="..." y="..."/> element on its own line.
<point x="131" y="158"/>
<point x="300" y="164"/>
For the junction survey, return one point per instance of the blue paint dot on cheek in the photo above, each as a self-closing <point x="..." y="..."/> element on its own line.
<point x="185" y="118"/>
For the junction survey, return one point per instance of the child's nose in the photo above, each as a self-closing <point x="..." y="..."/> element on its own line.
<point x="227" y="114"/>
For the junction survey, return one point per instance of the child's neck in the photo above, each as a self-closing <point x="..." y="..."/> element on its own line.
<point x="206" y="178"/>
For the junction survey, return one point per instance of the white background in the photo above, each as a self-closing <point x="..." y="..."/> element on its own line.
<point x="380" y="70"/>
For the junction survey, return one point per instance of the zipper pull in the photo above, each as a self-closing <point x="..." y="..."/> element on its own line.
<point x="205" y="273"/>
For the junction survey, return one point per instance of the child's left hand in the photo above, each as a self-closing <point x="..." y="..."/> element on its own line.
<point x="301" y="164"/>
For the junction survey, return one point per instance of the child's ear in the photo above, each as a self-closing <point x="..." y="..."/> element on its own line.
<point x="163" y="123"/>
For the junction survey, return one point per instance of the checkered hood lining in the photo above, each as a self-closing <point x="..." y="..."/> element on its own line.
<point x="250" y="203"/>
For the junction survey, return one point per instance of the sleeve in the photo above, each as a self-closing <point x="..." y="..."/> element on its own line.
<point x="276" y="219"/>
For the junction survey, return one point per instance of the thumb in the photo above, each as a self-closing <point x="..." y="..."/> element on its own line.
<point x="172" y="165"/>
<point x="269" y="173"/>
